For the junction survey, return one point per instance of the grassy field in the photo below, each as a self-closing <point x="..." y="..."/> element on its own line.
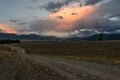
<point x="96" y="51"/>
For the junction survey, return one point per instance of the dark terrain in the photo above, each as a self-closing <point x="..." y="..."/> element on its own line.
<point x="95" y="51"/>
<point x="60" y="60"/>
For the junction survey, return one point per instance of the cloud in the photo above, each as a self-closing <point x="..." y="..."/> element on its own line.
<point x="34" y="1"/>
<point x="116" y="14"/>
<point x="69" y="21"/>
<point x="18" y="21"/>
<point x="62" y="24"/>
<point x="21" y="23"/>
<point x="74" y="13"/>
<point x="68" y="17"/>
<point x="60" y="17"/>
<point x="7" y="29"/>
<point x="53" y="6"/>
<point x="92" y="2"/>
<point x="55" y="33"/>
<point x="14" y="20"/>
<point x="108" y="7"/>
<point x="31" y="7"/>
<point x="42" y="25"/>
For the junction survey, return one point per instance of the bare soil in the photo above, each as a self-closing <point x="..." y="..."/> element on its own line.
<point x="64" y="69"/>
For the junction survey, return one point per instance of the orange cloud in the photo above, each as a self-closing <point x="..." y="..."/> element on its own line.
<point x="7" y="29"/>
<point x="70" y="15"/>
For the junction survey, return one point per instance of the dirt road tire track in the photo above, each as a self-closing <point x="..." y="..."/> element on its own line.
<point x="73" y="70"/>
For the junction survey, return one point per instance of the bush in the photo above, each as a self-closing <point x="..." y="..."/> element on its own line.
<point x="9" y="41"/>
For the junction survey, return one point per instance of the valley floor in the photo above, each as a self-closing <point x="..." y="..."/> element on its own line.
<point x="63" y="69"/>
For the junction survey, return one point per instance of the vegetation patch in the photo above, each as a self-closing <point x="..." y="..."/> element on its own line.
<point x="9" y="41"/>
<point x="95" y="51"/>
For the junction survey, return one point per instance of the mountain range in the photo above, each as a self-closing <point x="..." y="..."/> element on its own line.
<point x="94" y="37"/>
<point x="4" y="36"/>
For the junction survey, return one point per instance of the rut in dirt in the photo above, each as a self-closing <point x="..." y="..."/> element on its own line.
<point x="74" y="70"/>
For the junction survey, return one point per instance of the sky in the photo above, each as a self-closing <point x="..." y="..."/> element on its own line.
<point x="60" y="18"/>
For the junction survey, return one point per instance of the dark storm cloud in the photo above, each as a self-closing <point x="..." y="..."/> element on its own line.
<point x="99" y="20"/>
<point x="115" y="15"/>
<point x="110" y="29"/>
<point x="17" y="21"/>
<point x="92" y="2"/>
<point x="56" y="6"/>
<point x="22" y="23"/>
<point x="110" y="8"/>
<point x="53" y="6"/>
<point x="66" y="2"/>
<point x="74" y="14"/>
<point x="60" y="17"/>
<point x="14" y="20"/>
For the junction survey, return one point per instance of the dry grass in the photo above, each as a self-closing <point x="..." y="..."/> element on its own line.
<point x="105" y="51"/>
<point x="12" y="67"/>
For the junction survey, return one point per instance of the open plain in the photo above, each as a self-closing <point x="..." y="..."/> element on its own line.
<point x="56" y="60"/>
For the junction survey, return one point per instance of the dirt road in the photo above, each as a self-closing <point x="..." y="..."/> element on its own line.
<point x="74" y="70"/>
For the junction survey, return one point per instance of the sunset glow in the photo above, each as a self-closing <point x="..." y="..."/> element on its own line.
<point x="7" y="29"/>
<point x="69" y="15"/>
<point x="60" y="18"/>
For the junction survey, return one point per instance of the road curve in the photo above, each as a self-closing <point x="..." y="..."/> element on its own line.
<point x="74" y="70"/>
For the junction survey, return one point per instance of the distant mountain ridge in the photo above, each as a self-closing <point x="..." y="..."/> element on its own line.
<point x="95" y="37"/>
<point x="26" y="37"/>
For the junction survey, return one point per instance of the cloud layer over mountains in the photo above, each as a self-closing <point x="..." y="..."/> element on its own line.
<point x="70" y="16"/>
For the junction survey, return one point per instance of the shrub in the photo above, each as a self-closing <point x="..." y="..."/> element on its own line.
<point x="9" y="41"/>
